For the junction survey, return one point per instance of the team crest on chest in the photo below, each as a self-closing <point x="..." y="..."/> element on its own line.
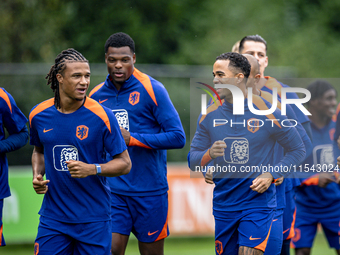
<point x="82" y="132"/>
<point x="134" y="97"/>
<point x="253" y="125"/>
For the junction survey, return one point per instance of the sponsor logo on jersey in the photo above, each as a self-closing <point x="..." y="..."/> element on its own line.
<point x="82" y="132"/>
<point x="237" y="150"/>
<point x="63" y="153"/>
<point x="47" y="130"/>
<point x="102" y="101"/>
<point x="134" y="97"/>
<point x="122" y="117"/>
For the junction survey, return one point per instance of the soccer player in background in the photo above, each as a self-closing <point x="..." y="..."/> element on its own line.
<point x="243" y="202"/>
<point x="14" y="121"/>
<point x="255" y="45"/>
<point x="317" y="199"/>
<point x="336" y="140"/>
<point x="275" y="240"/>
<point x="71" y="134"/>
<point x="150" y="125"/>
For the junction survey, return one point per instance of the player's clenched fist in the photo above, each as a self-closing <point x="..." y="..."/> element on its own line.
<point x="80" y="169"/>
<point x="39" y="185"/>
<point x="217" y="149"/>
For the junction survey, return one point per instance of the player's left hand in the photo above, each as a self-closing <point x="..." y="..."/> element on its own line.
<point x="325" y="179"/>
<point x="209" y="176"/>
<point x="262" y="182"/>
<point x="338" y="160"/>
<point x="80" y="169"/>
<point x="279" y="181"/>
<point x="126" y="135"/>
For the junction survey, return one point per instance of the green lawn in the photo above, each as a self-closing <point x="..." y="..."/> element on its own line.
<point x="175" y="246"/>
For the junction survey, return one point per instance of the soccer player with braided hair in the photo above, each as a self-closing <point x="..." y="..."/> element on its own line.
<point x="71" y="134"/>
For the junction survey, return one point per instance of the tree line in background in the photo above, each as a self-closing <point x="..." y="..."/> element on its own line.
<point x="302" y="34"/>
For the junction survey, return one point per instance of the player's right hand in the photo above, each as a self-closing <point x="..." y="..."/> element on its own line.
<point x="217" y="149"/>
<point x="39" y="185"/>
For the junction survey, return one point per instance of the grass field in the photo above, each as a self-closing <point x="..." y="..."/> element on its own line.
<point x="175" y="246"/>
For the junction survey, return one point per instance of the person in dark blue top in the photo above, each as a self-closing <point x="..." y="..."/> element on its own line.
<point x="14" y="121"/>
<point x="238" y="146"/>
<point x="72" y="135"/>
<point x="317" y="199"/>
<point x="150" y="125"/>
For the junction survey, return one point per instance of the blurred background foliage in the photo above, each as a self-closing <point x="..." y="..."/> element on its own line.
<point x="301" y="34"/>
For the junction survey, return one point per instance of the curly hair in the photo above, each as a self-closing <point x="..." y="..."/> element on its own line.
<point x="118" y="40"/>
<point x="237" y="62"/>
<point x="66" y="56"/>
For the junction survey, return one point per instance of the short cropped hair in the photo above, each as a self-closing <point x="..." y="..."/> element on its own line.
<point x="119" y="40"/>
<point x="237" y="61"/>
<point x="255" y="38"/>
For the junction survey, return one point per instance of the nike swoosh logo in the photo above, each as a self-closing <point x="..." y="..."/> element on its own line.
<point x="275" y="220"/>
<point x="251" y="238"/>
<point x="150" y="234"/>
<point x="102" y="101"/>
<point x="285" y="231"/>
<point x="47" y="130"/>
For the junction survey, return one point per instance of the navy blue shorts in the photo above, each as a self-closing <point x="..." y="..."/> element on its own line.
<point x="289" y="215"/>
<point x="274" y="244"/>
<point x="306" y="227"/>
<point x="145" y="216"/>
<point x="250" y="228"/>
<point x="56" y="237"/>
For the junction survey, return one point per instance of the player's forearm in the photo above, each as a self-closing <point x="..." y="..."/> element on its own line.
<point x="160" y="141"/>
<point x="38" y="162"/>
<point x="120" y="165"/>
<point x="14" y="141"/>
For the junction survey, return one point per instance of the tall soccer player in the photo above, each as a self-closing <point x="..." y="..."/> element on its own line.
<point x="71" y="134"/>
<point x="317" y="199"/>
<point x="244" y="200"/>
<point x="150" y="125"/>
<point x="255" y="45"/>
<point x="284" y="204"/>
<point x="14" y="121"/>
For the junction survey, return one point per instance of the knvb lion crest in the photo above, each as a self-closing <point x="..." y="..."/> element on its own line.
<point x="82" y="132"/>
<point x="67" y="154"/>
<point x="122" y="117"/>
<point x="134" y="97"/>
<point x="253" y="125"/>
<point x="239" y="152"/>
<point x="62" y="154"/>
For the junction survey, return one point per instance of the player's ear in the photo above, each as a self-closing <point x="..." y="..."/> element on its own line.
<point x="59" y="78"/>
<point x="239" y="78"/>
<point x="134" y="58"/>
<point x="257" y="78"/>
